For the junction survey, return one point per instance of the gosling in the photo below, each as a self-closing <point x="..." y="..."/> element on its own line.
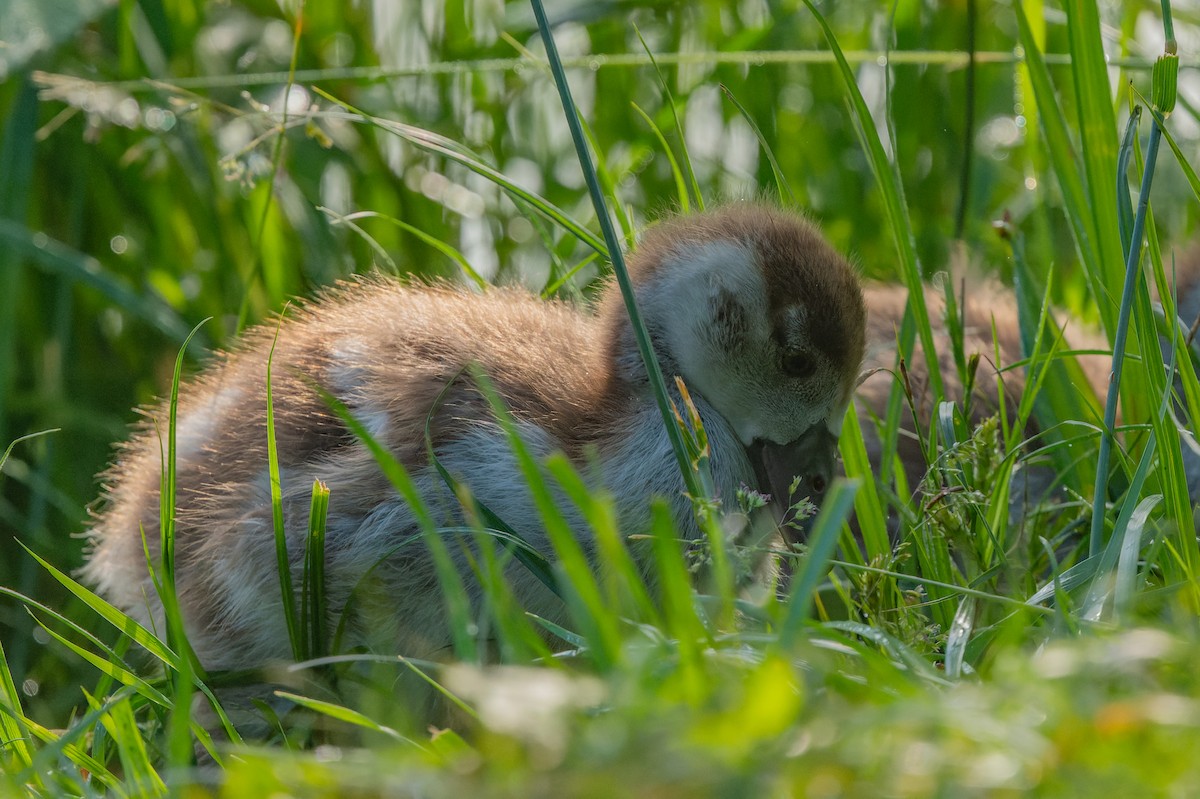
<point x="761" y="318"/>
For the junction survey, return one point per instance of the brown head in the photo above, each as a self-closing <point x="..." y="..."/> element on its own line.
<point x="763" y="319"/>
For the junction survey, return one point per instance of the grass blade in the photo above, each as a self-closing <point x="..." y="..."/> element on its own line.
<point x="283" y="565"/>
<point x="645" y="349"/>
<point x="781" y="184"/>
<point x="345" y="714"/>
<point x="894" y="205"/>
<point x="1125" y="580"/>
<point x="512" y="540"/>
<point x="440" y="145"/>
<point x="958" y="637"/>
<point x="1119" y="339"/>
<point x="681" y="187"/>
<point x="580" y="589"/>
<point x="1098" y="136"/>
<point x="14" y="732"/>
<point x="454" y="592"/>
<point x="432" y="241"/>
<point x="315" y="604"/>
<point x="662" y="81"/>
<point x="1101" y="590"/>
<point x="868" y="506"/>
<point x="139" y="773"/>
<point x="16" y="180"/>
<point x="835" y="509"/>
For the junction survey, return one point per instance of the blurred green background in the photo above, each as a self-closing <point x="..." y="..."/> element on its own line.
<point x="144" y="185"/>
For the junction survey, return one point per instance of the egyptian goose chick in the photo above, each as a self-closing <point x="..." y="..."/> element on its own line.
<point x="760" y="316"/>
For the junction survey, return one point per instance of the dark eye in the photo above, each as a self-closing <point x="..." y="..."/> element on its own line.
<point x="798" y="364"/>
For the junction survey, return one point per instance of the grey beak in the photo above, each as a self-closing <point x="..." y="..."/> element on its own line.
<point x="809" y="458"/>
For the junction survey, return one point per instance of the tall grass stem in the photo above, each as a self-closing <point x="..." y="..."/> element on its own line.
<point x="1132" y="259"/>
<point x="657" y="384"/>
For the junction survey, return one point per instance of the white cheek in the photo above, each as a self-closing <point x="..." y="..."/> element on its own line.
<point x="684" y="303"/>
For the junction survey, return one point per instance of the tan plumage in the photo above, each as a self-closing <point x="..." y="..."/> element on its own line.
<point x="761" y="318"/>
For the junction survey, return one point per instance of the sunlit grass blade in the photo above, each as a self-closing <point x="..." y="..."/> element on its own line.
<point x="1056" y="388"/>
<point x="60" y="746"/>
<point x="510" y="627"/>
<point x="421" y="670"/>
<point x="1091" y="197"/>
<point x="571" y="639"/>
<point x="608" y="184"/>
<point x="13" y="728"/>
<point x="625" y="587"/>
<point x="416" y="666"/>
<point x="677" y="599"/>
<point x="554" y="286"/>
<point x="348" y="716"/>
<point x="1162" y="378"/>
<point x="781" y="183"/>
<point x="129" y="627"/>
<point x="719" y="579"/>
<point x="1124" y="156"/>
<point x="495" y="526"/>
<point x="892" y="192"/>
<point x="958" y="638"/>
<point x="1060" y="150"/>
<point x="681" y="187"/>
<point x="1125" y="579"/>
<point x="283" y="565"/>
<point x="1189" y="171"/>
<point x="1101" y="589"/>
<point x="916" y="322"/>
<point x="895" y="649"/>
<point x="868" y="505"/>
<point x="432" y="142"/>
<point x="123" y="622"/>
<point x="259" y="267"/>
<point x="432" y="241"/>
<point x="1176" y="330"/>
<point x="822" y="540"/>
<point x="12" y="444"/>
<point x="1097" y="127"/>
<point x="1133" y="287"/>
<point x="645" y="349"/>
<point x="388" y="262"/>
<point x="110" y="667"/>
<point x="931" y="549"/>
<point x="176" y="637"/>
<point x="694" y="184"/>
<point x="956" y="590"/>
<point x="140" y="776"/>
<point x="315" y="604"/>
<point x="607" y="181"/>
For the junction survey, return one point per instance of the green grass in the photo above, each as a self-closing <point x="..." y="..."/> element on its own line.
<point x="950" y="647"/>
